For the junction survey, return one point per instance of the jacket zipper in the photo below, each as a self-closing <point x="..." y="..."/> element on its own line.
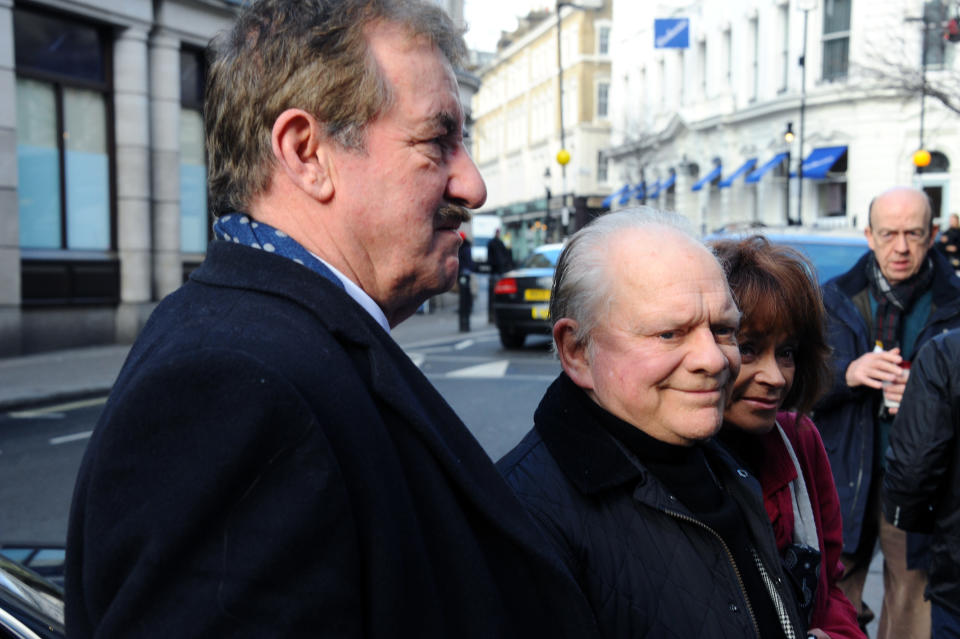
<point x="733" y="563"/>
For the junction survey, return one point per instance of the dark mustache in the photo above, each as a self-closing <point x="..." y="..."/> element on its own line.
<point x="450" y="213"/>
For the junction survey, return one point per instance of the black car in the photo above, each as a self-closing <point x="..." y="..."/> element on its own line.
<point x="30" y="606"/>
<point x="832" y="251"/>
<point x="521" y="299"/>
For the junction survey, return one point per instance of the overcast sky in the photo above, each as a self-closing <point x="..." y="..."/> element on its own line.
<point x="486" y="18"/>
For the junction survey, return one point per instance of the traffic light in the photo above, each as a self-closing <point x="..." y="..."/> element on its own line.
<point x="952" y="32"/>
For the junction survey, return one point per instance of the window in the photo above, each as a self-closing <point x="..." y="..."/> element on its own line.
<point x="603" y="40"/>
<point x="702" y="67"/>
<point x="603" y="166"/>
<point x="64" y="194"/>
<point x="784" y="11"/>
<point x="755" y="56"/>
<point x="194" y="218"/>
<point x="603" y="100"/>
<point x="727" y="56"/>
<point x="836" y="38"/>
<point x="934" y="49"/>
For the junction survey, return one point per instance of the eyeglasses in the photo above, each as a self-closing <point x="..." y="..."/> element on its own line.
<point x="913" y="236"/>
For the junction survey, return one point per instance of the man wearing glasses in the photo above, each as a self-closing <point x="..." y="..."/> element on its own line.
<point x="880" y="312"/>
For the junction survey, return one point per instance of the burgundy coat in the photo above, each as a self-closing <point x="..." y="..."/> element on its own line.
<point x="833" y="613"/>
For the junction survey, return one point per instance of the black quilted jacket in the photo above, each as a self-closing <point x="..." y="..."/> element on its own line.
<point x="921" y="489"/>
<point x="648" y="567"/>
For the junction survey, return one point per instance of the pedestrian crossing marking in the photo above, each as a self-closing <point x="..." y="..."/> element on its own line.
<point x="495" y="369"/>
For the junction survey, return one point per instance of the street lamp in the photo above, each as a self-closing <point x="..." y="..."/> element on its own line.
<point x="806" y="6"/>
<point x="788" y="138"/>
<point x="563" y="155"/>
<point x="546" y="204"/>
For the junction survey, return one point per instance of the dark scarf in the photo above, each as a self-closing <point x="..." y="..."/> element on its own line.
<point x="893" y="300"/>
<point x="239" y="228"/>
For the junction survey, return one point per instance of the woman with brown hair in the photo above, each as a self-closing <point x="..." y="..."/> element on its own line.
<point x="784" y="367"/>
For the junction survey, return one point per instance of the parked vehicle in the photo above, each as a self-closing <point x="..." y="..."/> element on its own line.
<point x="521" y="299"/>
<point x="832" y="251"/>
<point x="47" y="560"/>
<point x="30" y="606"/>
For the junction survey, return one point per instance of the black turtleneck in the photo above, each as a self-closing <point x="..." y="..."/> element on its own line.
<point x="686" y="473"/>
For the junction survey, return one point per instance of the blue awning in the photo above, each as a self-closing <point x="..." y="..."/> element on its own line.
<point x="669" y="182"/>
<point x="709" y="177"/>
<point x="822" y="160"/>
<point x="759" y="173"/>
<point x="607" y="201"/>
<point x="654" y="190"/>
<point x="638" y="191"/>
<point x="625" y="194"/>
<point x="746" y="166"/>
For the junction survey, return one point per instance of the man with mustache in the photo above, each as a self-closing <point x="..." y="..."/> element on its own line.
<point x="665" y="532"/>
<point x="270" y="462"/>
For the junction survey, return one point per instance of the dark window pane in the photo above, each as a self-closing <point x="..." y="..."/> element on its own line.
<point x="835" y="58"/>
<point x="934" y="15"/>
<point x="44" y="43"/>
<point x="836" y="16"/>
<point x="191" y="78"/>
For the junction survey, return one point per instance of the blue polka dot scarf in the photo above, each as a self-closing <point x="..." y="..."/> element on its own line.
<point x="240" y="229"/>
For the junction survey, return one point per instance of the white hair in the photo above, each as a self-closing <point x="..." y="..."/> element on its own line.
<point x="581" y="285"/>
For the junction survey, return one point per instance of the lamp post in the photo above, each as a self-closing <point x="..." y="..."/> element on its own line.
<point x="788" y="138"/>
<point x="546" y="203"/>
<point x="806" y="6"/>
<point x="563" y="155"/>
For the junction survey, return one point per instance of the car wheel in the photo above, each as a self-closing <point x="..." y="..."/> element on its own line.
<point x="512" y="339"/>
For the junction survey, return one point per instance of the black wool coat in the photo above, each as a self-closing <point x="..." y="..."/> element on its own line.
<point x="271" y="464"/>
<point x="648" y="566"/>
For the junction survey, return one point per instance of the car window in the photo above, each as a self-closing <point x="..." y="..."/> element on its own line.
<point x="542" y="259"/>
<point x="830" y="260"/>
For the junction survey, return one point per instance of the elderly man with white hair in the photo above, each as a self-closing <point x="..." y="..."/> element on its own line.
<point x="665" y="532"/>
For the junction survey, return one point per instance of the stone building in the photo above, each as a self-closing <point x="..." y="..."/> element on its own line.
<point x="712" y="119"/>
<point x="518" y="114"/>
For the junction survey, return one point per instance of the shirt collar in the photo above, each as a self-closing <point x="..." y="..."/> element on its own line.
<point x="359" y="295"/>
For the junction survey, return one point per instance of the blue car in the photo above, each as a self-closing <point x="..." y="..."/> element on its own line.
<point x="832" y="252"/>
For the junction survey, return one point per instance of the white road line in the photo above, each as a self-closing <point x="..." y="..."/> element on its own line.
<point x="467" y="343"/>
<point x="418" y="358"/>
<point x="66" y="439"/>
<point x="491" y="369"/>
<point x="59" y="408"/>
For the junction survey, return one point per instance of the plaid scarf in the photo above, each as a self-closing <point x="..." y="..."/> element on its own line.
<point x="240" y="229"/>
<point x="893" y="300"/>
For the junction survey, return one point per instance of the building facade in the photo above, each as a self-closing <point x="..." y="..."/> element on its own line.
<point x="517" y="132"/>
<point x="734" y="119"/>
<point x="102" y="167"/>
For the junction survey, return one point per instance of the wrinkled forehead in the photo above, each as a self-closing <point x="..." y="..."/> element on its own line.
<point x="670" y="269"/>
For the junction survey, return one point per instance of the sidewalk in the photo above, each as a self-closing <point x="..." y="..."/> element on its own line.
<point x="81" y="373"/>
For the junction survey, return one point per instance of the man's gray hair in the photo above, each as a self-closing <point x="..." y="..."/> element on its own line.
<point x="581" y="284"/>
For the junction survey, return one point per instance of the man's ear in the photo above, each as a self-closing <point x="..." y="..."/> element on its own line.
<point x="300" y="150"/>
<point x="574" y="356"/>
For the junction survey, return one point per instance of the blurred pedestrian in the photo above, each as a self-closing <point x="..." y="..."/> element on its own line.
<point x="270" y="462"/>
<point x="921" y="490"/>
<point x="465" y="270"/>
<point x="783" y="352"/>
<point x="949" y="242"/>
<point x="666" y="534"/>
<point x="501" y="261"/>
<point x="880" y="312"/>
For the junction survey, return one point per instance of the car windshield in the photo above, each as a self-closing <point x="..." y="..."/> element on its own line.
<point x="830" y="260"/>
<point x="544" y="258"/>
